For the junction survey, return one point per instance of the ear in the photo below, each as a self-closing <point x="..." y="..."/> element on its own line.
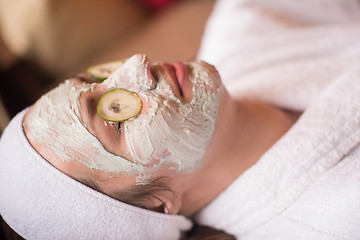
<point x="164" y="203"/>
<point x="160" y="208"/>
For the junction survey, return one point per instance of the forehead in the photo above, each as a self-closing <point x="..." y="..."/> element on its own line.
<point x="76" y="169"/>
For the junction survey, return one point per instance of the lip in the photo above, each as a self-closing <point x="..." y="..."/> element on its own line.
<point x="176" y="75"/>
<point x="181" y="75"/>
<point x="171" y="78"/>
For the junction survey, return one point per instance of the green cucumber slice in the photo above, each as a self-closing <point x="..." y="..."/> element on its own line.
<point x="118" y="105"/>
<point x="102" y="71"/>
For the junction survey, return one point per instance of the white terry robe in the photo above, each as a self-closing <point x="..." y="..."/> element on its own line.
<point x="303" y="56"/>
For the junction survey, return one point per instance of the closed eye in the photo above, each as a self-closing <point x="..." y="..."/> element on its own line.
<point x="85" y="78"/>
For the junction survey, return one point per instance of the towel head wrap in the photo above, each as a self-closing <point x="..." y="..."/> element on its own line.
<point x="40" y="202"/>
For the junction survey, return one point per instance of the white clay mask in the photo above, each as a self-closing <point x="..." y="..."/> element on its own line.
<point x="170" y="134"/>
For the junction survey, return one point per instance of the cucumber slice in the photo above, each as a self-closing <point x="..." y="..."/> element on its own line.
<point x="102" y="71"/>
<point x="118" y="105"/>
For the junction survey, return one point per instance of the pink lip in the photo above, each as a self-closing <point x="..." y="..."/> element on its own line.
<point x="181" y="75"/>
<point x="176" y="75"/>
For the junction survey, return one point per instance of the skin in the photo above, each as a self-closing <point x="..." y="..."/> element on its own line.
<point x="251" y="129"/>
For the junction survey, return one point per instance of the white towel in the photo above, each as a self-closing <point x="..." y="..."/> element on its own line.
<point x="315" y="154"/>
<point x="40" y="202"/>
<point x="282" y="52"/>
<point x="302" y="56"/>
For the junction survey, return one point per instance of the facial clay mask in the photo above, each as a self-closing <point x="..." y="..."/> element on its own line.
<point x="56" y="122"/>
<point x="170" y="134"/>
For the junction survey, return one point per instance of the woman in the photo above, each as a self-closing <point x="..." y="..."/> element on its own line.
<point x="164" y="150"/>
<point x="235" y="162"/>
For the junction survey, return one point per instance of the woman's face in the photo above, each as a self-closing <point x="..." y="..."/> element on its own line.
<point x="179" y="108"/>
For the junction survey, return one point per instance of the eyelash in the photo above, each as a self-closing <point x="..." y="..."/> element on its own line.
<point x="85" y="79"/>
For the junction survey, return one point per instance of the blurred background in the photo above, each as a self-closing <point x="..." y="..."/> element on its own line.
<point x="44" y="42"/>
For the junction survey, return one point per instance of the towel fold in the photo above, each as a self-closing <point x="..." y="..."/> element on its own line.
<point x="314" y="152"/>
<point x="284" y="52"/>
<point x="300" y="56"/>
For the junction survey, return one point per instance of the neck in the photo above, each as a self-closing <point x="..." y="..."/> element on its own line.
<point x="244" y="132"/>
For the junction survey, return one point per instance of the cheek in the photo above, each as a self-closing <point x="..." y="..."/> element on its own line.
<point x="168" y="133"/>
<point x="146" y="134"/>
<point x="146" y="105"/>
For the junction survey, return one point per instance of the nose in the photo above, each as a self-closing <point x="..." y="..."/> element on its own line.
<point x="134" y="75"/>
